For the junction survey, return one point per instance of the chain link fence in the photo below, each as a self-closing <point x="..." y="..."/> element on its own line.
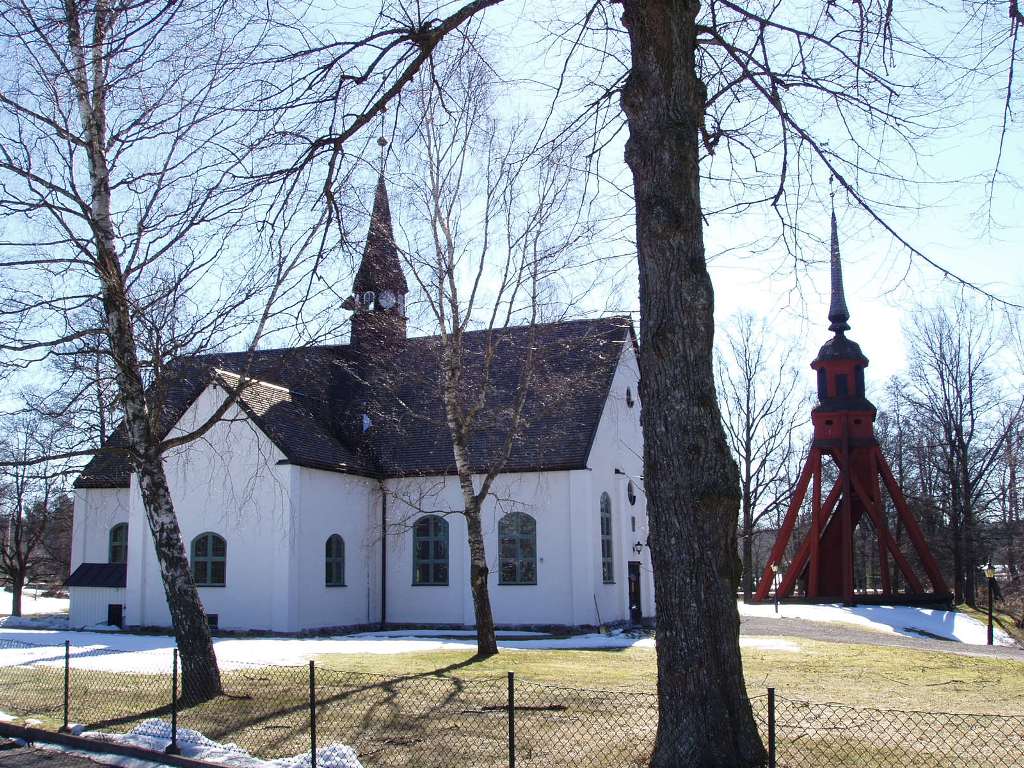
<point x="442" y="721"/>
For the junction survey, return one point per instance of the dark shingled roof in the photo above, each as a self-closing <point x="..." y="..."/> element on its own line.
<point x="111" y="575"/>
<point x="327" y="408"/>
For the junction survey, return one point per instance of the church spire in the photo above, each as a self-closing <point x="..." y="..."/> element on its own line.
<point x="380" y="269"/>
<point x="838" y="314"/>
<point x="379" y="288"/>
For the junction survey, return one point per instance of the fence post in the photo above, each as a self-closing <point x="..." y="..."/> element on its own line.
<point x="312" y="714"/>
<point x="771" y="728"/>
<point x="173" y="748"/>
<point x="511" y="720"/>
<point x="67" y="686"/>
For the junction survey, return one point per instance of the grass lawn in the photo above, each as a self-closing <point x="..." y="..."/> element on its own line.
<point x="444" y="709"/>
<point x="858" y="675"/>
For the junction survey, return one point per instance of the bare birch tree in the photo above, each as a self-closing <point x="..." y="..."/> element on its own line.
<point x="130" y="238"/>
<point x="499" y="226"/>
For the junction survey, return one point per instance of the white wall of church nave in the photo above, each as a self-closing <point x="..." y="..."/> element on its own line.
<point x="618" y="444"/>
<point x="97" y="510"/>
<point x="544" y="495"/>
<point x="327" y="503"/>
<point x="228" y="482"/>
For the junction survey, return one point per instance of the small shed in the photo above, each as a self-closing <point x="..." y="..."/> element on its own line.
<point x="97" y="592"/>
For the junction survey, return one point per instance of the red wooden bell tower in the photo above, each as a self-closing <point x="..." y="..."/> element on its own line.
<point x="844" y="432"/>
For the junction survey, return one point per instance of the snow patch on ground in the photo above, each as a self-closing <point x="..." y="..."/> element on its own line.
<point x="899" y="619"/>
<point x="5" y="718"/>
<point x="34" y="622"/>
<point x="120" y="652"/>
<point x="156" y="735"/>
<point x="33" y="603"/>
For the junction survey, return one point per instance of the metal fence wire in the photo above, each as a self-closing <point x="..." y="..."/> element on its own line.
<point x="441" y="721"/>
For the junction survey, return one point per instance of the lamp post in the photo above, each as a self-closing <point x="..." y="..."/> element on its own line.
<point x="990" y="575"/>
<point x="775" y="585"/>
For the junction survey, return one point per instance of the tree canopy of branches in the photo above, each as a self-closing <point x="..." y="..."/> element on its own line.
<point x="759" y="390"/>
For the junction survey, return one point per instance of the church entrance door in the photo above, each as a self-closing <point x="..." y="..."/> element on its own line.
<point x="635" y="606"/>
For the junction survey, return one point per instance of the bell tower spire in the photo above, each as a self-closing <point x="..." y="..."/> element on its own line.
<point x="838" y="314"/>
<point x="379" y="289"/>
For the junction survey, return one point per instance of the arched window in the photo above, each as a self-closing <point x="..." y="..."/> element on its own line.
<point x="209" y="560"/>
<point x="335" y="561"/>
<point x="517" y="548"/>
<point x="430" y="551"/>
<point x="119" y="543"/>
<point x="607" y="557"/>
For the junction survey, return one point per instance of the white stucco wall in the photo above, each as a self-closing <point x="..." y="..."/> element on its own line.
<point x="618" y="445"/>
<point x="89" y="604"/>
<point x="228" y="482"/>
<point x="543" y="495"/>
<point x="325" y="503"/>
<point x="97" y="510"/>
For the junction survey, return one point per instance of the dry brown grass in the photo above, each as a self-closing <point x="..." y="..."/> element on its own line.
<point x="428" y="710"/>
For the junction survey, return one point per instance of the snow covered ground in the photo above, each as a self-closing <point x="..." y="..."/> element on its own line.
<point x="33" y="603"/>
<point x="156" y="735"/>
<point x="901" y="620"/>
<point x="111" y="651"/>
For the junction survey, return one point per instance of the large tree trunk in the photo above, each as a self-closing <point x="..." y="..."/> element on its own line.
<point x="692" y="482"/>
<point x="748" y="548"/>
<point x="17" y="590"/>
<point x="958" y="563"/>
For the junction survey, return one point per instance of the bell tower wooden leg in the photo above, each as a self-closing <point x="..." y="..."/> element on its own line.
<point x="816" y="523"/>
<point x="779" y="548"/>
<point x="913" y="530"/>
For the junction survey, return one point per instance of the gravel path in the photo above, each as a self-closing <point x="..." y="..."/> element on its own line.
<point x="27" y="757"/>
<point x="752" y="626"/>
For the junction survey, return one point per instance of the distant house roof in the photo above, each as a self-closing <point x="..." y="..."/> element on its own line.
<point x="110" y="575"/>
<point x="325" y="407"/>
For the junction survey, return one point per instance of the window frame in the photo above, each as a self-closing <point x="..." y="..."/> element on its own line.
<point x="438" y="532"/>
<point x="335" y="559"/>
<point x="517" y="536"/>
<point x="607" y="539"/>
<point x="122" y="544"/>
<point x="208" y="559"/>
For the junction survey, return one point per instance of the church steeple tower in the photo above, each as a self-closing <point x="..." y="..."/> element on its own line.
<point x="379" y="288"/>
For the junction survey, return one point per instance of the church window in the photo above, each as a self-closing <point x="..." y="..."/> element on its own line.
<point x="119" y="543"/>
<point x="430" y="551"/>
<point x="517" y="546"/>
<point x="334" y="561"/>
<point x="629" y="397"/>
<point x="607" y="554"/>
<point x="631" y="493"/>
<point x="209" y="560"/>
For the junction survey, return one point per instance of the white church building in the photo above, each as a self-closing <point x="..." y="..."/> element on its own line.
<point x="326" y="498"/>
